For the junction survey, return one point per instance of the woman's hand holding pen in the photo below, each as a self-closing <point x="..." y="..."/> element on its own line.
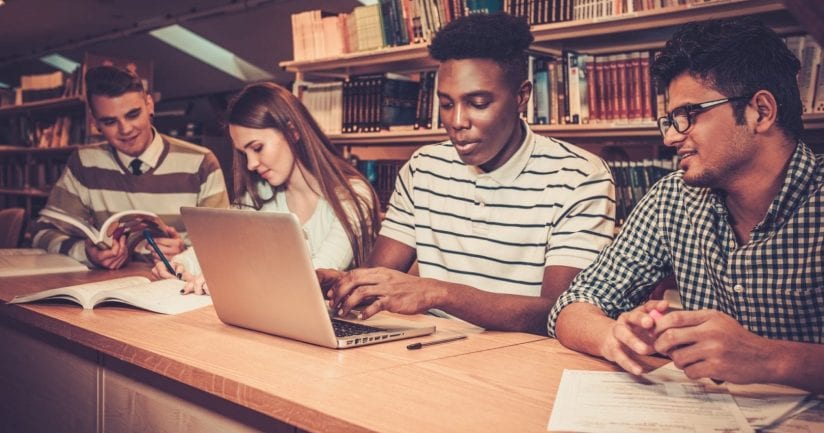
<point x="194" y="283"/>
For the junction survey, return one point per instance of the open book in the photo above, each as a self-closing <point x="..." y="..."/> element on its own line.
<point x="33" y="261"/>
<point x="161" y="296"/>
<point x="129" y="223"/>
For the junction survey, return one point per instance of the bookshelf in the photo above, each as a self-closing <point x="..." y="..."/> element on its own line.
<point x="642" y="30"/>
<point x="27" y="175"/>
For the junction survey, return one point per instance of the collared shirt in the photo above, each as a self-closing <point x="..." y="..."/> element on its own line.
<point x="550" y="204"/>
<point x="773" y="285"/>
<point x="149" y="157"/>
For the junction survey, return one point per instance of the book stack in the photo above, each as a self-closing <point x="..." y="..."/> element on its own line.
<point x="325" y="102"/>
<point x="578" y="88"/>
<point x="372" y="103"/>
<point x="319" y="34"/>
<point x="633" y="179"/>
<point x="382" y="175"/>
<point x="810" y="82"/>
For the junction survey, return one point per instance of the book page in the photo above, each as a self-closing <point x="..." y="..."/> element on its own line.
<point x="809" y="421"/>
<point x="161" y="296"/>
<point x="69" y="224"/>
<point x="593" y="401"/>
<point x="21" y="251"/>
<point x="81" y="293"/>
<point x="36" y="262"/>
<point x="131" y="223"/>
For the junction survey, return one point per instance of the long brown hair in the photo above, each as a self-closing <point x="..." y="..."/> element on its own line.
<point x="267" y="105"/>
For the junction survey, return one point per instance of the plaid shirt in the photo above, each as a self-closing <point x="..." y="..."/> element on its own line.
<point x="773" y="285"/>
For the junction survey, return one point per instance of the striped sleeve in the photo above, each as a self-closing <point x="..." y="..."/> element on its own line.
<point x="67" y="196"/>
<point x="399" y="223"/>
<point x="585" y="224"/>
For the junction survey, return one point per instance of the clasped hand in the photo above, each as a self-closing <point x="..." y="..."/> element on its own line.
<point x="703" y="343"/>
<point x="379" y="288"/>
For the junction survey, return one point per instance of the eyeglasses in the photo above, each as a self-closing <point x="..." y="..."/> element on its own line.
<point x="683" y="117"/>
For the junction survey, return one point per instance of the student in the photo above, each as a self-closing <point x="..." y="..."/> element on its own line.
<point x="137" y="168"/>
<point x="500" y="219"/>
<point x="741" y="225"/>
<point x="284" y="163"/>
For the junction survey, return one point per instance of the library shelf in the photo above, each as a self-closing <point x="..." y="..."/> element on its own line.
<point x="56" y="104"/>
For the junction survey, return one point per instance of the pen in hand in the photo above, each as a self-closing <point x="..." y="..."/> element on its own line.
<point x="148" y="235"/>
<point x="415" y="346"/>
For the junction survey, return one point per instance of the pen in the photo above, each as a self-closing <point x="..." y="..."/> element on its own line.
<point x="148" y="235"/>
<point x="415" y="346"/>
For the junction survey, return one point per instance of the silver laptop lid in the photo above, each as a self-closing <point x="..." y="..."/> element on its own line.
<point x="260" y="273"/>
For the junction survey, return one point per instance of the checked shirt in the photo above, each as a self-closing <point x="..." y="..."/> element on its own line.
<point x="773" y="285"/>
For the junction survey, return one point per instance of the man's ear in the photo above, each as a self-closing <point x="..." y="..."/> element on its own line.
<point x="522" y="97"/>
<point x="766" y="110"/>
<point x="150" y="104"/>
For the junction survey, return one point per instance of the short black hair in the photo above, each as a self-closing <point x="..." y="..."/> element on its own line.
<point x="736" y="57"/>
<point x="499" y="36"/>
<point x="111" y="81"/>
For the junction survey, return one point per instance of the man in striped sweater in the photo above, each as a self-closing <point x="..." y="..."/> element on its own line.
<point x="138" y="168"/>
<point x="499" y="219"/>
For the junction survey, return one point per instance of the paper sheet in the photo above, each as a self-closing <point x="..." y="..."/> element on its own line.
<point x="590" y="401"/>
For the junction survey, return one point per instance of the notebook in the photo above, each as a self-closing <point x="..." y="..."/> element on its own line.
<point x="260" y="275"/>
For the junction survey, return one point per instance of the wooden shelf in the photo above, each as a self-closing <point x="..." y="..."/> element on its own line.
<point x="74" y="102"/>
<point x="25" y="192"/>
<point x="404" y="58"/>
<point x="651" y="29"/>
<point x="638" y="31"/>
<point x="641" y="130"/>
<point x="7" y="149"/>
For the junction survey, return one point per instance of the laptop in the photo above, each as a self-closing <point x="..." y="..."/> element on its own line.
<point x="260" y="275"/>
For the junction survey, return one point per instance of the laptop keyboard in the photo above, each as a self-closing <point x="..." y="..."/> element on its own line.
<point x="348" y="329"/>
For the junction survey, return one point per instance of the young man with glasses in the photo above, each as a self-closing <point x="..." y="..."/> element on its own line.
<point x="740" y="225"/>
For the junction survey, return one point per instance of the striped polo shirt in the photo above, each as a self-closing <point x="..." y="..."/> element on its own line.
<point x="96" y="184"/>
<point x="551" y="204"/>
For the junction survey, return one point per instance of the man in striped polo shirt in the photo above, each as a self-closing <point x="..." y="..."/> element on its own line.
<point x="740" y="225"/>
<point x="137" y="168"/>
<point x="499" y="219"/>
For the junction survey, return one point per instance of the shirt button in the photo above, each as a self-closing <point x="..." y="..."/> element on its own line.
<point x="738" y="288"/>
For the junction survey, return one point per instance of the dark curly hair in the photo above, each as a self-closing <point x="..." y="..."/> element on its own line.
<point x="736" y="57"/>
<point x="500" y="37"/>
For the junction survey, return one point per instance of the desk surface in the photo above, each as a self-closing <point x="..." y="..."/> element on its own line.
<point x="491" y="381"/>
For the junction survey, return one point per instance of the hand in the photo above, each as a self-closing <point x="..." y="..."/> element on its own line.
<point x="385" y="288"/>
<point x="709" y="343"/>
<point x="110" y="258"/>
<point x="195" y="284"/>
<point x="160" y="272"/>
<point x="633" y="334"/>
<point x="170" y="246"/>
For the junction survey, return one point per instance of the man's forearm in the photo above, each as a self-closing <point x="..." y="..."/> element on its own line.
<point x="583" y="327"/>
<point x="494" y="311"/>
<point x="796" y="364"/>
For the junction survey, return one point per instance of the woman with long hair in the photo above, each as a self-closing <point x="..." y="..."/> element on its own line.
<point x="283" y="162"/>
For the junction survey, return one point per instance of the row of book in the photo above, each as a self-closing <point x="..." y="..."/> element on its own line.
<point x="372" y="103"/>
<point x="381" y="174"/>
<point x="53" y="85"/>
<point x="578" y="88"/>
<point x="44" y="131"/>
<point x="633" y="179"/>
<point x="810" y="80"/>
<point x="17" y="172"/>
<point x="319" y="34"/>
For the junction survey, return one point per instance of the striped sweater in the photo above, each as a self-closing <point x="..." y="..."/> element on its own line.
<point x="96" y="184"/>
<point x="551" y="204"/>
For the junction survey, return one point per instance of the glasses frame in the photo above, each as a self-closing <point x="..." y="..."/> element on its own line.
<point x="691" y="111"/>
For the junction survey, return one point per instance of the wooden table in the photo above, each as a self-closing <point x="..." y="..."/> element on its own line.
<point x="122" y="369"/>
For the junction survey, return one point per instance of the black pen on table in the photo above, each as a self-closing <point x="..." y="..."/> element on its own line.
<point x="415" y="346"/>
<point x="148" y="235"/>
